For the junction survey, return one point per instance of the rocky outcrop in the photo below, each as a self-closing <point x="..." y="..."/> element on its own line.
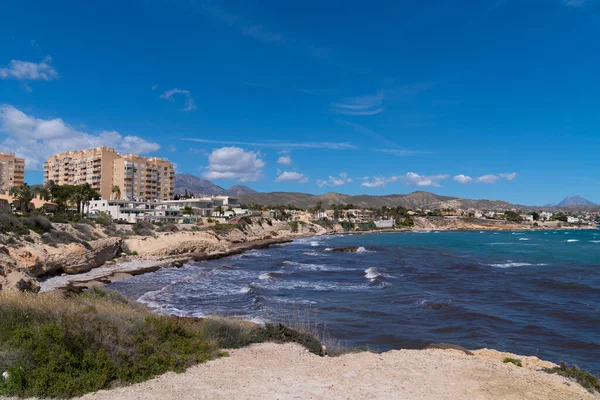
<point x="13" y="279"/>
<point x="72" y="258"/>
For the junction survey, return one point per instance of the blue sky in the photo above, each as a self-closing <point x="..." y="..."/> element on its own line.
<point x="480" y="99"/>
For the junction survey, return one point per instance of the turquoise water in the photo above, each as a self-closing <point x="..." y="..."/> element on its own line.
<point x="531" y="293"/>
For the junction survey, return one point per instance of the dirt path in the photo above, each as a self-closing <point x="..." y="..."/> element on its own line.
<point x="271" y="371"/>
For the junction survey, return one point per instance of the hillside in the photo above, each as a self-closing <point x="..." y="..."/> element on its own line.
<point x="412" y="200"/>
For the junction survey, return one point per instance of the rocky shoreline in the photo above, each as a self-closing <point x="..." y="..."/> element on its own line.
<point x="92" y="255"/>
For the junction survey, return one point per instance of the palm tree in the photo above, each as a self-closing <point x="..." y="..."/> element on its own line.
<point x="116" y="190"/>
<point x="23" y="195"/>
<point x="42" y="192"/>
<point x="82" y="195"/>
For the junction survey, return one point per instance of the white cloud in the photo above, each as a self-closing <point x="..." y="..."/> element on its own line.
<point x="36" y="139"/>
<point x="508" y="177"/>
<point x="282" y="145"/>
<point x="413" y="179"/>
<point x="234" y="163"/>
<point x="335" y="181"/>
<point x="189" y="100"/>
<point x="284" y="160"/>
<point x="490" y="178"/>
<point x="362" y="105"/>
<point x="25" y="70"/>
<point x="378" y="181"/>
<point x="289" y="176"/>
<point x="463" y="179"/>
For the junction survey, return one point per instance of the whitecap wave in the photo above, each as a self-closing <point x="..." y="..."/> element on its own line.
<point x="314" y="254"/>
<point x="594" y="241"/>
<point x="511" y="264"/>
<point x="315" y="243"/>
<point x="269" y="275"/>
<point x="312" y="267"/>
<point x="373" y="274"/>
<point x="572" y="240"/>
<point x="523" y="239"/>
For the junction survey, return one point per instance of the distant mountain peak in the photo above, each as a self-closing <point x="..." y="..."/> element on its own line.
<point x="198" y="186"/>
<point x="575" y="201"/>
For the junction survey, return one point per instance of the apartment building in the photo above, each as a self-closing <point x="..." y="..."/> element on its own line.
<point x="93" y="166"/>
<point x="144" y="178"/>
<point x="12" y="171"/>
<point x="138" y="178"/>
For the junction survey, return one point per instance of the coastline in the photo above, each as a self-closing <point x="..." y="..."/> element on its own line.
<point x="129" y="266"/>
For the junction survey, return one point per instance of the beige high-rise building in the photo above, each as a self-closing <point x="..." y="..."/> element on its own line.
<point x="93" y="166"/>
<point x="12" y="171"/>
<point x="138" y="178"/>
<point x="144" y="178"/>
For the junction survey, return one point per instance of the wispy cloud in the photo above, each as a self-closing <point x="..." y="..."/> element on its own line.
<point x="25" y="70"/>
<point x="319" y="92"/>
<point x="403" y="153"/>
<point x="259" y="33"/>
<point x="410" y="179"/>
<point x="491" y="178"/>
<point x="189" y="100"/>
<point x="361" y="105"/>
<point x="281" y="144"/>
<point x="575" y="3"/>
<point x="378" y="181"/>
<point x="414" y="179"/>
<point x="289" y="176"/>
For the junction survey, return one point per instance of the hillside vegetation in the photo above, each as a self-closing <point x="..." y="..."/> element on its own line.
<point x="53" y="346"/>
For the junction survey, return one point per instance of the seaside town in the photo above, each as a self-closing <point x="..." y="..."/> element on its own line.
<point x="130" y="188"/>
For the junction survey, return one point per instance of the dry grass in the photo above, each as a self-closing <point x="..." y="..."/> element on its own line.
<point x="55" y="346"/>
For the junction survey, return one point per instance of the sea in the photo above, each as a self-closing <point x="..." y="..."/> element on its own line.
<point x="531" y="293"/>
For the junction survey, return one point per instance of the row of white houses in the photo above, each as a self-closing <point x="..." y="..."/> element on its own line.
<point x="171" y="211"/>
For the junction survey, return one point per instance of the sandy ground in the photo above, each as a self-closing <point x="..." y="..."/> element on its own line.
<point x="272" y="371"/>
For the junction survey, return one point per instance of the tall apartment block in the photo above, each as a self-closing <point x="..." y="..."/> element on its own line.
<point x="12" y="171"/>
<point x="138" y="178"/>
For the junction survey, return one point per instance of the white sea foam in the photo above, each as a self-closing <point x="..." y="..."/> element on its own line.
<point x="373" y="273"/>
<point x="572" y="240"/>
<point x="594" y="241"/>
<point x="523" y="239"/>
<point x="518" y="233"/>
<point x="511" y="264"/>
<point x="269" y="275"/>
<point x="314" y="243"/>
<point x="312" y="267"/>
<point x="362" y="250"/>
<point x="314" y="254"/>
<point x="245" y="289"/>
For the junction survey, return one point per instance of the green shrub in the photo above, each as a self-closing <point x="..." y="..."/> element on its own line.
<point x="515" y="361"/>
<point x="584" y="378"/>
<point x="60" y="218"/>
<point x="11" y="224"/>
<point x="294" y="225"/>
<point x="168" y="228"/>
<point x="223" y="229"/>
<point x="143" y="228"/>
<point x="134" y="253"/>
<point x="60" y="347"/>
<point x="38" y="223"/>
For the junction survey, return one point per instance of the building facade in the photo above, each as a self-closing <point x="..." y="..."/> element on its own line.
<point x="12" y="171"/>
<point x="138" y="178"/>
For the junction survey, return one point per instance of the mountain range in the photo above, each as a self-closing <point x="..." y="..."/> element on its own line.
<point x="198" y="186"/>
<point x="418" y="199"/>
